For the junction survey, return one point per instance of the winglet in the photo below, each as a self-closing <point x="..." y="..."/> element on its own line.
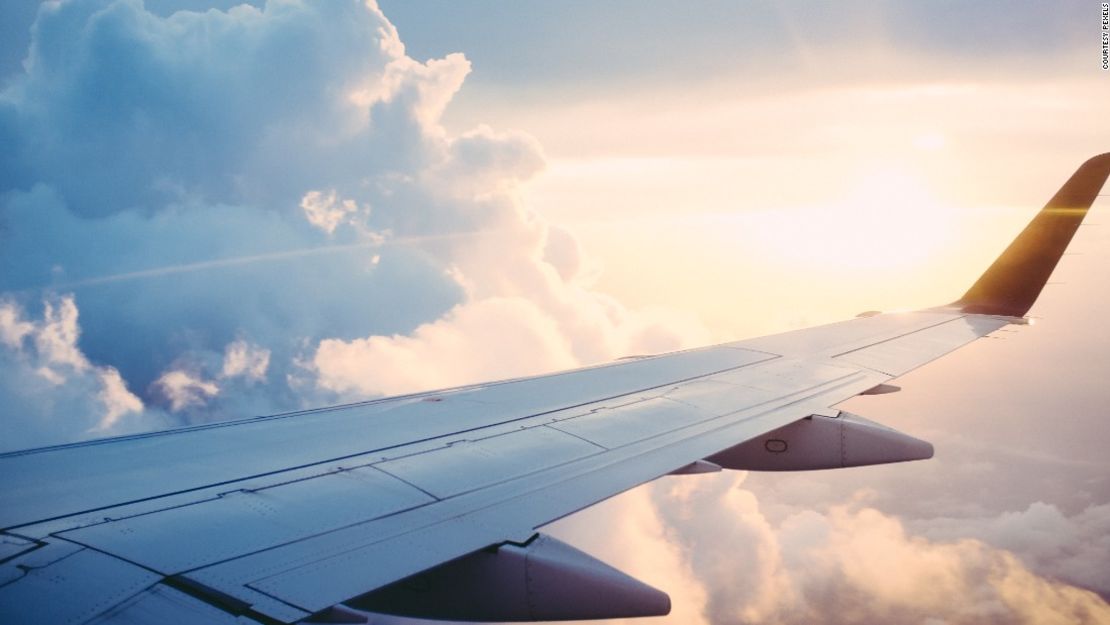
<point x="1011" y="285"/>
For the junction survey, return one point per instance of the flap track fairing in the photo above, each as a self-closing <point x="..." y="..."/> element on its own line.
<point x="823" y="442"/>
<point x="541" y="580"/>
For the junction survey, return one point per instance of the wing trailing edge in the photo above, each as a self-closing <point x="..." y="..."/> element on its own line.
<point x="1015" y="279"/>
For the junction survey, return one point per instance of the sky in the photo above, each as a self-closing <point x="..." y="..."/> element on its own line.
<point x="211" y="211"/>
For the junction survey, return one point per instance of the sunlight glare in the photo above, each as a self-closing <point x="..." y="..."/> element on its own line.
<point x="889" y="220"/>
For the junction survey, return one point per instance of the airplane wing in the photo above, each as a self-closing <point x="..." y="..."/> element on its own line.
<point x="429" y="504"/>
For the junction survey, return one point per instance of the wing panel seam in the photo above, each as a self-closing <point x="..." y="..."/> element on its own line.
<point x="378" y="450"/>
<point x="895" y="338"/>
<point x="703" y="428"/>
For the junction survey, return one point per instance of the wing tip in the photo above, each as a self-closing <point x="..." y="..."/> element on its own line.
<point x="1013" y="282"/>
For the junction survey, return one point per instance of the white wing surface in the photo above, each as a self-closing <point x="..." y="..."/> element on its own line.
<point x="429" y="504"/>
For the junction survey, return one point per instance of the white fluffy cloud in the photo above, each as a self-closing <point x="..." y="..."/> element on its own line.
<point x="326" y="211"/>
<point x="117" y="400"/>
<point x="629" y="532"/>
<point x="201" y="185"/>
<point x="850" y="563"/>
<point x="200" y="188"/>
<point x="183" y="389"/>
<point x="485" y="340"/>
<point x="246" y="360"/>
<point x="12" y="327"/>
<point x="51" y="392"/>
<point x="1073" y="548"/>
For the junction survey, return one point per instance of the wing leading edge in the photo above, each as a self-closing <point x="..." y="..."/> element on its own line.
<point x="429" y="505"/>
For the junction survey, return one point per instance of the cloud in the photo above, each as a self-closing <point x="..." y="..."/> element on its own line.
<point x="56" y="338"/>
<point x="325" y="211"/>
<point x="850" y="563"/>
<point x="707" y="541"/>
<point x="13" y="329"/>
<point x="246" y="360"/>
<point x="258" y="210"/>
<point x="214" y="215"/>
<point x="490" y="339"/>
<point x="183" y="389"/>
<point x="1072" y="548"/>
<point x="629" y="532"/>
<point x="215" y="103"/>
<point x="117" y="400"/>
<point x="51" y="392"/>
<point x="719" y="525"/>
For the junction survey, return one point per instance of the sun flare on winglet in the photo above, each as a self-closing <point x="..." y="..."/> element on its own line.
<point x="1010" y="286"/>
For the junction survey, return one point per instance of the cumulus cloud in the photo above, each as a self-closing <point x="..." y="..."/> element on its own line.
<point x="117" y="400"/>
<point x="629" y="532"/>
<point x="326" y="211"/>
<point x="12" y="327"/>
<point x="187" y="200"/>
<point x="215" y="103"/>
<point x="246" y="360"/>
<point x="489" y="339"/>
<point x="709" y="543"/>
<point x="56" y="338"/>
<point x="1072" y="548"/>
<point x="200" y="186"/>
<point x="51" y="392"/>
<point x="850" y="563"/>
<point x="183" y="389"/>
